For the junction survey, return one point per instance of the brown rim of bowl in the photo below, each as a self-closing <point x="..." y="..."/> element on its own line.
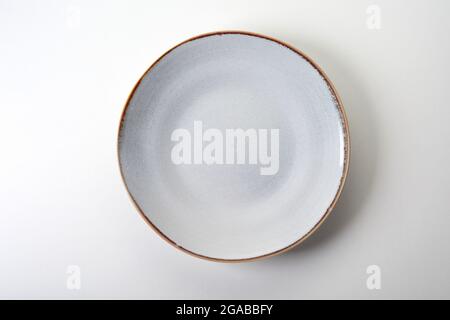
<point x="346" y="150"/>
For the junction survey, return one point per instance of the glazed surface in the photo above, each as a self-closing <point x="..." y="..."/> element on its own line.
<point x="232" y="211"/>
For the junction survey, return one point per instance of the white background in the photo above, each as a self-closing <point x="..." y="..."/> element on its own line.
<point x="66" y="70"/>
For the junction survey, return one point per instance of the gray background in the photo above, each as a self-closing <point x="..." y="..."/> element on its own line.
<point x="66" y="69"/>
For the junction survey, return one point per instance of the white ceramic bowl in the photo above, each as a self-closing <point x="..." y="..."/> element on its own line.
<point x="203" y="91"/>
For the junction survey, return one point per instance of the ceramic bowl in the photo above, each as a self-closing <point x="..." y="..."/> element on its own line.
<point x="234" y="146"/>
